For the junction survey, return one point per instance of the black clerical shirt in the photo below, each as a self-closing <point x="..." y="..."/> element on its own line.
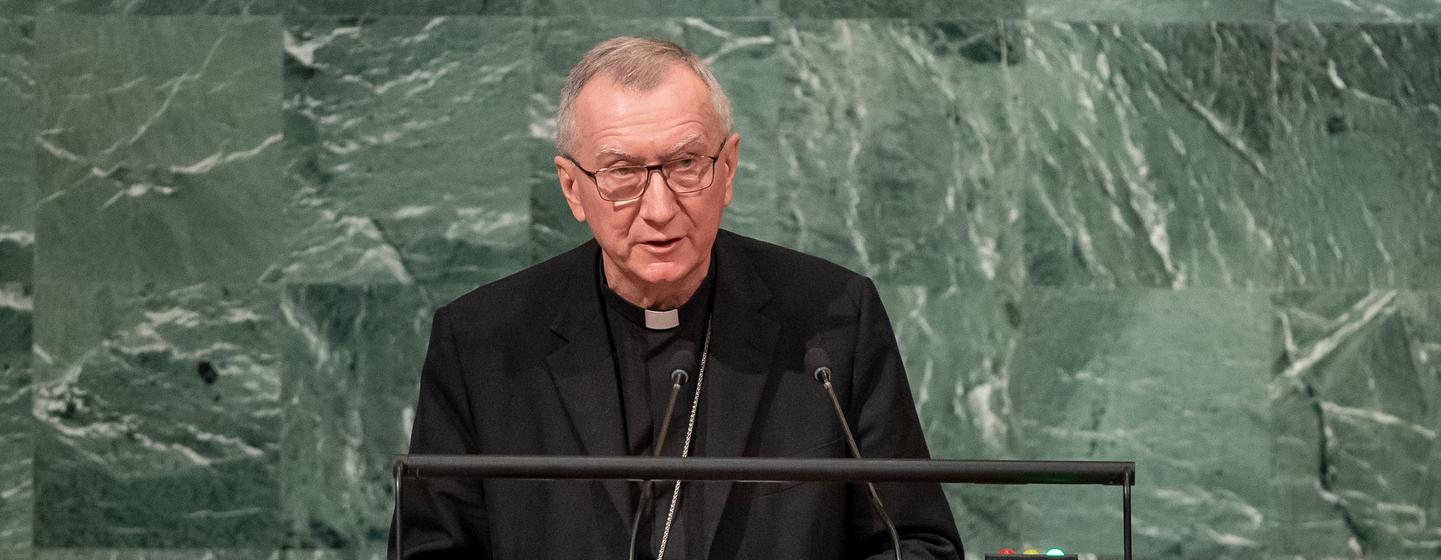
<point x="644" y="359"/>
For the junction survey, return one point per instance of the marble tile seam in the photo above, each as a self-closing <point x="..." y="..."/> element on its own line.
<point x="404" y="282"/>
<point x="1136" y="21"/>
<point x="1275" y="10"/>
<point x="45" y="289"/>
<point x="240" y="18"/>
<point x="780" y="20"/>
<point x="153" y="553"/>
<point x="601" y="21"/>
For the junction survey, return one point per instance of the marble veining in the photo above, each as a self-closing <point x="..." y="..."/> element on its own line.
<point x="960" y="349"/>
<point x="161" y="426"/>
<point x="1356" y="401"/>
<point x="1162" y="231"/>
<point x="982" y="10"/>
<point x="159" y="554"/>
<point x="1147" y="146"/>
<point x="1174" y="380"/>
<point x="121" y="146"/>
<point x="909" y="193"/>
<point x="17" y="167"/>
<point x="161" y="7"/>
<point x="1395" y="11"/>
<point x="406" y="162"/>
<point x="1357" y="186"/>
<point x="1153" y="10"/>
<point x="346" y="409"/>
<point x="16" y="442"/>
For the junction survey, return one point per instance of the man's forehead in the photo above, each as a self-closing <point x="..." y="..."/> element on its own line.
<point x="676" y="112"/>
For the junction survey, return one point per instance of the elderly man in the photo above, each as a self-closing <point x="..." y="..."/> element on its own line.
<point x="574" y="356"/>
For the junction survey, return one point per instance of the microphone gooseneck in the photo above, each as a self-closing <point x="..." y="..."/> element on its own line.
<point x="817" y="362"/>
<point x="679" y="377"/>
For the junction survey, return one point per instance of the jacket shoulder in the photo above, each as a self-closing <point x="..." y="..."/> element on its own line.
<point x="789" y="271"/>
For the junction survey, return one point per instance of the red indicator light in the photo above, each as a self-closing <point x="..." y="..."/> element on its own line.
<point x="1008" y="551"/>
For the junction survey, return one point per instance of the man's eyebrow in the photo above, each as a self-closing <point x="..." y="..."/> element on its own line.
<point x="682" y="145"/>
<point x="623" y="155"/>
<point x="617" y="152"/>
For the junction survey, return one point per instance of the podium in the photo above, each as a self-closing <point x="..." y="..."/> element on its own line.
<point x="774" y="470"/>
<point x="759" y="469"/>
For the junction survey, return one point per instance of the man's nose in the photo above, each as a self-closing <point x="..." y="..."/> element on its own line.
<point x="658" y="202"/>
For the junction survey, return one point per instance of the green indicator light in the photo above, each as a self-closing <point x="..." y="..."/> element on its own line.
<point x="1055" y="552"/>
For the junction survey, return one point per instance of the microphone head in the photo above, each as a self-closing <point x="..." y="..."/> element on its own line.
<point x="681" y="364"/>
<point x="818" y="363"/>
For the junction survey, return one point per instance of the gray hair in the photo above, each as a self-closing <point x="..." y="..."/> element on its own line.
<point x="634" y="63"/>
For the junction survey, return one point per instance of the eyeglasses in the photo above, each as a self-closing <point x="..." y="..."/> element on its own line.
<point x="624" y="183"/>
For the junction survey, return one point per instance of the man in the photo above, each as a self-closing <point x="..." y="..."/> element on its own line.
<point x="574" y="356"/>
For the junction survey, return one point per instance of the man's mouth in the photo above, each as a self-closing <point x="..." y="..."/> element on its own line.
<point x="661" y="245"/>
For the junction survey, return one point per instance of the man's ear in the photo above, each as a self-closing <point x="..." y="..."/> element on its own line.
<point x="569" y="186"/>
<point x="729" y="156"/>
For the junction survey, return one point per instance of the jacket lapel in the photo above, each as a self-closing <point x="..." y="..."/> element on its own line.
<point x="584" y="374"/>
<point x="739" y="364"/>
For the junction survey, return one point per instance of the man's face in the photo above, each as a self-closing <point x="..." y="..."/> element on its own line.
<point x="662" y="238"/>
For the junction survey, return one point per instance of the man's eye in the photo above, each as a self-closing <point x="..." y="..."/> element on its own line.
<point x="625" y="172"/>
<point x="683" y="164"/>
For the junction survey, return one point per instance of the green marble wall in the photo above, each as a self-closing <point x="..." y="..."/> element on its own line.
<point x="1199" y="234"/>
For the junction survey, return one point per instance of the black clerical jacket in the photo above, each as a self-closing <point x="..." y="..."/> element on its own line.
<point x="523" y="366"/>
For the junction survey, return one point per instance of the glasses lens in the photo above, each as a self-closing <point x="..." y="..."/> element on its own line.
<point x="689" y="174"/>
<point x="621" y="183"/>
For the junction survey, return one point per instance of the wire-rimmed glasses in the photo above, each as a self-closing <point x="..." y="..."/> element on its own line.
<point x="623" y="183"/>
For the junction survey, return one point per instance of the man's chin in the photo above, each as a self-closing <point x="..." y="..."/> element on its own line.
<point x="662" y="275"/>
<point x="663" y="272"/>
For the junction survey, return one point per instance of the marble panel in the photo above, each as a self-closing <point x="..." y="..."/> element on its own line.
<point x="158" y="415"/>
<point x="1356" y="405"/>
<point x="959" y="347"/>
<point x="1146" y="153"/>
<point x="913" y="193"/>
<point x="407" y="144"/>
<point x="375" y="552"/>
<point x="641" y="9"/>
<point x="560" y="42"/>
<point x="17" y="152"/>
<point x="160" y="7"/>
<point x="911" y="9"/>
<point x="156" y="554"/>
<point x="1356" y="11"/>
<point x="158" y="149"/>
<point x="348" y="409"/>
<point x="9" y="9"/>
<point x="406" y="7"/>
<point x="1174" y="380"/>
<point x="1150" y="10"/>
<point x="17" y="499"/>
<point x="1358" y="156"/>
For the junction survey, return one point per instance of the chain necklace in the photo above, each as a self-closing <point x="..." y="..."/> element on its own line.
<point x="685" y="448"/>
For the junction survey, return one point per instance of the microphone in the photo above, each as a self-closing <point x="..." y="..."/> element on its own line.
<point x="817" y="362"/>
<point x="679" y="376"/>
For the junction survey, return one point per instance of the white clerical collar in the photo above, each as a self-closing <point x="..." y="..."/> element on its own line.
<point x="662" y="320"/>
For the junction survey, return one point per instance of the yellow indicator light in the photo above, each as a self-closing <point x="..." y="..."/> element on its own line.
<point x="1030" y="551"/>
<point x="1055" y="552"/>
